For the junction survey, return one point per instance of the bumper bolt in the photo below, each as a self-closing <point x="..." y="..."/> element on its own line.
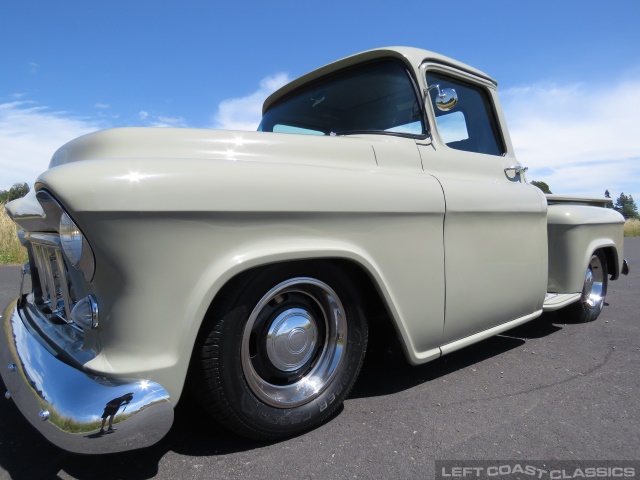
<point x="12" y="367"/>
<point x="44" y="414"/>
<point x="7" y="395"/>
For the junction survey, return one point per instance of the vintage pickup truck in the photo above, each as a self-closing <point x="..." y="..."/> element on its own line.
<point x="380" y="194"/>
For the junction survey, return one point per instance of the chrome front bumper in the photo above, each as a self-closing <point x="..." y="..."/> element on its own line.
<point x="66" y="405"/>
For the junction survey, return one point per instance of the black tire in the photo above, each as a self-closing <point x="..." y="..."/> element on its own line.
<point x="594" y="291"/>
<point x="274" y="362"/>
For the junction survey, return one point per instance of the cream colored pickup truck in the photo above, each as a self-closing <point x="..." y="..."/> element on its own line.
<point x="380" y="194"/>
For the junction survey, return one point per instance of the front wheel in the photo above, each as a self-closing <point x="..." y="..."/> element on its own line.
<point x="283" y="356"/>
<point x="594" y="291"/>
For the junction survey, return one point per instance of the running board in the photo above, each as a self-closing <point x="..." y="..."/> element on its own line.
<point x="556" y="301"/>
<point x="466" y="341"/>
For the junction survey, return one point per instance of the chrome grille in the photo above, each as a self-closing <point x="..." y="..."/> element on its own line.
<point x="54" y="284"/>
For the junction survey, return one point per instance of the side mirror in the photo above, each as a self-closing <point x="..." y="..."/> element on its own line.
<point x="446" y="99"/>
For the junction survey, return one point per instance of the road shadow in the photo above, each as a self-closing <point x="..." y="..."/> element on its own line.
<point x="560" y="317"/>
<point x="387" y="372"/>
<point x="541" y="327"/>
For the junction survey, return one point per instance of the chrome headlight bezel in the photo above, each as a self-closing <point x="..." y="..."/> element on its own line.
<point x="73" y="243"/>
<point x="71" y="240"/>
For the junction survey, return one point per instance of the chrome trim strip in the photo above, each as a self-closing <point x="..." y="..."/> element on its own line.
<point x="42" y="272"/>
<point x="51" y="283"/>
<point x="64" y="284"/>
<point x="66" y="405"/>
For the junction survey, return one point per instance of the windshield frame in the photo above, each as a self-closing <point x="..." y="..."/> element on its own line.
<point x="345" y="73"/>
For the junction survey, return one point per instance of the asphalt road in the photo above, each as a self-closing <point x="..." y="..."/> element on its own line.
<point x="546" y="390"/>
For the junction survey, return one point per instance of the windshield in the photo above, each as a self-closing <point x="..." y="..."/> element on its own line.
<point x="374" y="98"/>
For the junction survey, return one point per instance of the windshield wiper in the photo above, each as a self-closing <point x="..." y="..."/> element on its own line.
<point x="353" y="132"/>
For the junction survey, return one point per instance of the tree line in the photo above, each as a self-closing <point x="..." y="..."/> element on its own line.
<point x="623" y="204"/>
<point x="17" y="191"/>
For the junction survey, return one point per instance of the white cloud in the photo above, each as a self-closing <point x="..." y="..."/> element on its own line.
<point x="152" y="120"/>
<point x="244" y="113"/>
<point x="164" y="121"/>
<point x="578" y="138"/>
<point x="29" y="135"/>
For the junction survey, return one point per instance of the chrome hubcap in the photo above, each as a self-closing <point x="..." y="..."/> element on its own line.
<point x="293" y="342"/>
<point x="291" y="339"/>
<point x="592" y="293"/>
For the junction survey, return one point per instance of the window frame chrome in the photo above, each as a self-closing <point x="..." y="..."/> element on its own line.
<point x="463" y="76"/>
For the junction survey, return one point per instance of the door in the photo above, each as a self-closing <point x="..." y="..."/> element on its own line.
<point x="495" y="223"/>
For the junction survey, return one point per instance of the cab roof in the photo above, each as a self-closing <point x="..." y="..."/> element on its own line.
<point x="412" y="57"/>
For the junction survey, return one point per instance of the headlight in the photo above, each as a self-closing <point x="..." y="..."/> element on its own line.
<point x="71" y="239"/>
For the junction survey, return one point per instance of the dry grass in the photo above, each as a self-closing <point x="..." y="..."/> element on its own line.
<point x="11" y="251"/>
<point x="632" y="228"/>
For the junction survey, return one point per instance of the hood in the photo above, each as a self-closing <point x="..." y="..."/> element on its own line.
<point x="189" y="170"/>
<point x="183" y="143"/>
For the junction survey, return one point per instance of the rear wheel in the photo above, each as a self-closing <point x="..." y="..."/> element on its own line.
<point x="282" y="357"/>
<point x="594" y="291"/>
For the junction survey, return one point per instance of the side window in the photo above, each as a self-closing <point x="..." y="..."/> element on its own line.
<point x="470" y="126"/>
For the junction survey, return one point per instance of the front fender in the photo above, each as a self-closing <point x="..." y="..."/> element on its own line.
<point x="214" y="278"/>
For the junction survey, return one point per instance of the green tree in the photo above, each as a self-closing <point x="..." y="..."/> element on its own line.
<point x="626" y="206"/>
<point x="609" y="204"/>
<point x="17" y="191"/>
<point x="542" y="186"/>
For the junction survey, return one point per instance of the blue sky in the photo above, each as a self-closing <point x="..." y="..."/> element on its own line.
<point x="568" y="71"/>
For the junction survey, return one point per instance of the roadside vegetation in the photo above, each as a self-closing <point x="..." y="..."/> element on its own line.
<point x="11" y="251"/>
<point x="632" y="228"/>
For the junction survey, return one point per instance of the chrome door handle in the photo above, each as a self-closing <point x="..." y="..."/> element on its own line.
<point x="517" y="169"/>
